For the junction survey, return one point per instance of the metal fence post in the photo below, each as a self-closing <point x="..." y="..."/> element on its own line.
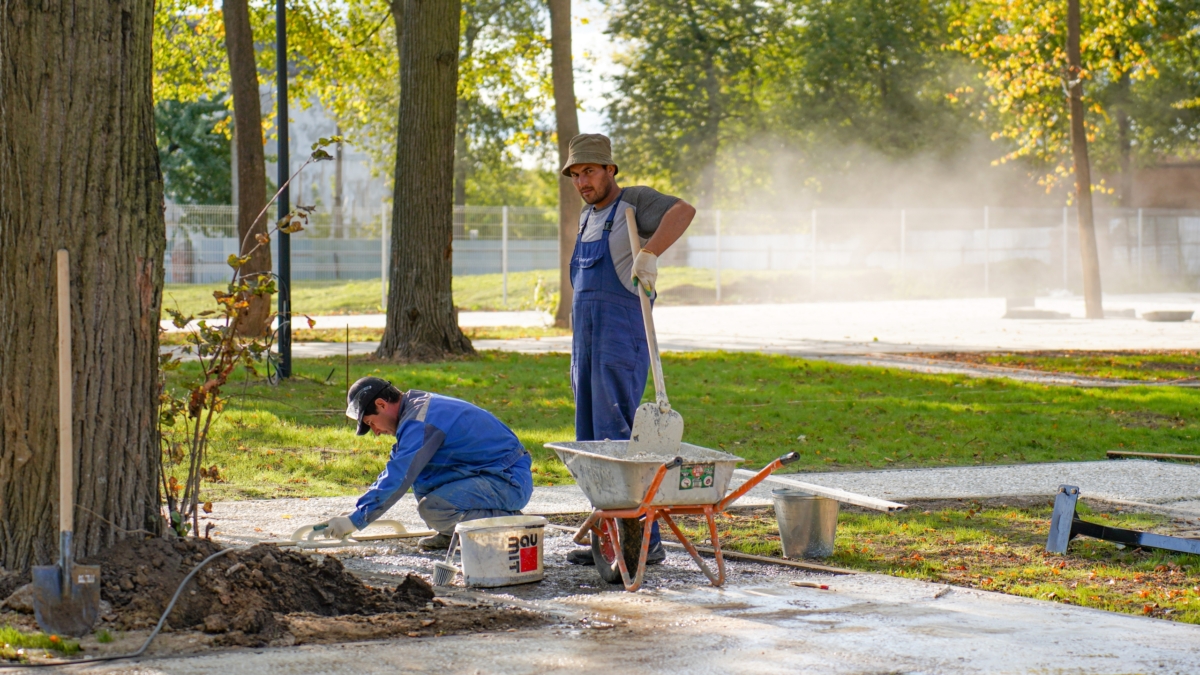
<point x="504" y="253"/>
<point x="812" y="269"/>
<point x="1066" y="235"/>
<point x="1139" y="258"/>
<point x="987" y="253"/>
<point x="718" y="229"/>
<point x="903" y="227"/>
<point x="383" y="246"/>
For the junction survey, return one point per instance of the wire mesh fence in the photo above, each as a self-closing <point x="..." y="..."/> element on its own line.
<point x="820" y="253"/>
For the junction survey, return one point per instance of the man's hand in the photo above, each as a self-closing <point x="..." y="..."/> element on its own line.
<point x="338" y="527"/>
<point x="645" y="270"/>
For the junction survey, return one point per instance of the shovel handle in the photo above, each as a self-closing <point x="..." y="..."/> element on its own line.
<point x="660" y="388"/>
<point x="66" y="445"/>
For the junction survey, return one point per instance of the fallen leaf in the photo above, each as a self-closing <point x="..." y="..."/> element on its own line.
<point x="286" y="516"/>
<point x="208" y="507"/>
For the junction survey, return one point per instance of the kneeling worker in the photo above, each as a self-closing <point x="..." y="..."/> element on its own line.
<point x="461" y="462"/>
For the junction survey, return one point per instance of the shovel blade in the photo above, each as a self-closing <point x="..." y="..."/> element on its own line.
<point x="66" y="606"/>
<point x="654" y="431"/>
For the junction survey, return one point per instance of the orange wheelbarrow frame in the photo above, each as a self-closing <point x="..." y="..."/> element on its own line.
<point x="602" y="523"/>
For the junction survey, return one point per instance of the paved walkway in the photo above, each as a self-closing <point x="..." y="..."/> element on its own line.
<point x="759" y="622"/>
<point x="1168" y="487"/>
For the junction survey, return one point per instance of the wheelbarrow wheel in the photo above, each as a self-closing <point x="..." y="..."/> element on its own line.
<point x="605" y="554"/>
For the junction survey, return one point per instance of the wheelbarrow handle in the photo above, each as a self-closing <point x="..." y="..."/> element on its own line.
<point x="755" y="480"/>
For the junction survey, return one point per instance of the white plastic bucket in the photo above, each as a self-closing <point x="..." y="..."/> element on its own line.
<point x="501" y="551"/>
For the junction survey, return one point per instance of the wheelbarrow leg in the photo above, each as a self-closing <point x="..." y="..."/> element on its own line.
<point x="715" y="579"/>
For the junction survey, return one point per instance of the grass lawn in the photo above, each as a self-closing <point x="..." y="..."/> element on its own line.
<point x="294" y="440"/>
<point x="996" y="548"/>
<point x="534" y="289"/>
<point x="1150" y="366"/>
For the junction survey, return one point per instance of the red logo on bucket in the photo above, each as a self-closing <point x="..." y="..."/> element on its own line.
<point x="523" y="553"/>
<point x="529" y="559"/>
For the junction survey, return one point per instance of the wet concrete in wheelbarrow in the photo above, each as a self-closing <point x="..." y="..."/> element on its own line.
<point x="757" y="623"/>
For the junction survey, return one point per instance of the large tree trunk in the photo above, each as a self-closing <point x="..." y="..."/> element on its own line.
<point x="251" y="164"/>
<point x="1083" y="172"/>
<point x="422" y="324"/>
<point x="567" y="120"/>
<point x="78" y="170"/>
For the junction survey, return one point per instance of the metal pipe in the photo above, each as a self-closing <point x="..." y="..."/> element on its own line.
<point x="812" y="272"/>
<point x="987" y="253"/>
<point x="718" y="256"/>
<point x="282" y="164"/>
<point x="504" y="253"/>
<point x="1139" y="257"/>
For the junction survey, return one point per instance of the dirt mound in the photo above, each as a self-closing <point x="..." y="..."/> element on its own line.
<point x="240" y="593"/>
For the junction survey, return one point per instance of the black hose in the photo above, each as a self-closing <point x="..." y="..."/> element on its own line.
<point x="153" y="634"/>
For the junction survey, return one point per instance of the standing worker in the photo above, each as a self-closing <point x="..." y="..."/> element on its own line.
<point x="460" y="460"/>
<point x="609" y="355"/>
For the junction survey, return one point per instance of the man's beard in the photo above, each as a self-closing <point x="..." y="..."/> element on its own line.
<point x="599" y="196"/>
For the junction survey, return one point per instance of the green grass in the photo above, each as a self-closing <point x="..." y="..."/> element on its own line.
<point x="534" y="289"/>
<point x="294" y="440"/>
<point x="997" y="549"/>
<point x="14" y="644"/>
<point x="1150" y="366"/>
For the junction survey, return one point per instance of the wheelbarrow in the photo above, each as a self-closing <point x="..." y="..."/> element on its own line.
<point x="628" y="493"/>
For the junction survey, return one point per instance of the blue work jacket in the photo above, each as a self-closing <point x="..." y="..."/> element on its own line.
<point x="439" y="440"/>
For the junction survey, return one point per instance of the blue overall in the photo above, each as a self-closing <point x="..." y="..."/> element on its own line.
<point x="609" y="356"/>
<point x="461" y="462"/>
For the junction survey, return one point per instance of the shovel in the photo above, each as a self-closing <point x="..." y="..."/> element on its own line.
<point x="657" y="429"/>
<point x="66" y="596"/>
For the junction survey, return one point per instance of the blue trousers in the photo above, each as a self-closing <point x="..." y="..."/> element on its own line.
<point x="482" y="496"/>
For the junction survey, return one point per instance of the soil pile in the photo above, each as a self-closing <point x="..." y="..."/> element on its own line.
<point x="240" y="594"/>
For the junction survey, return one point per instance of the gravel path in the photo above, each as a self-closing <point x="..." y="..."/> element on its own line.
<point x="1162" y="486"/>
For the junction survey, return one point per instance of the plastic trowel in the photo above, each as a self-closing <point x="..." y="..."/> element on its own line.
<point x="657" y="429"/>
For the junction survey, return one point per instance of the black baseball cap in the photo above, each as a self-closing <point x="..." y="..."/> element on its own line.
<point x="361" y="398"/>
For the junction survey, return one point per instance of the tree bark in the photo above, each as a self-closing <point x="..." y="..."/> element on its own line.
<point x="1083" y="172"/>
<point x="567" y="120"/>
<point x="78" y="170"/>
<point x="251" y="163"/>
<point x="422" y="323"/>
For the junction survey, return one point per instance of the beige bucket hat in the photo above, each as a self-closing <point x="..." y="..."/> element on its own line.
<point x="589" y="149"/>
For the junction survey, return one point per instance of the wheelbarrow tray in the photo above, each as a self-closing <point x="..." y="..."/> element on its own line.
<point x="611" y="479"/>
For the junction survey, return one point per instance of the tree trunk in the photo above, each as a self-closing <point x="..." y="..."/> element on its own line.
<point x="251" y="164"/>
<point x="1083" y="172"/>
<point x="78" y="170"/>
<point x="567" y="121"/>
<point x="422" y="323"/>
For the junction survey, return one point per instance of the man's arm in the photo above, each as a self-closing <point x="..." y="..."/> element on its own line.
<point x="415" y="445"/>
<point x="672" y="226"/>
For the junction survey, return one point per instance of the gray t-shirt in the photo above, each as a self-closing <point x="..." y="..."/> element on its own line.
<point x="649" y="206"/>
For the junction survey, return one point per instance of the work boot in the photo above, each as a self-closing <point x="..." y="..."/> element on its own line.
<point x="438" y="542"/>
<point x="583" y="556"/>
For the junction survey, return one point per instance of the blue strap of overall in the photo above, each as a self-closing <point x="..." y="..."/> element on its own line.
<point x="608" y="222"/>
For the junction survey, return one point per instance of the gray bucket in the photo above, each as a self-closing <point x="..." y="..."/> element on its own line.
<point x="807" y="523"/>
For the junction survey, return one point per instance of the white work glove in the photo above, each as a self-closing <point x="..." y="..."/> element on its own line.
<point x="339" y="527"/>
<point x="645" y="270"/>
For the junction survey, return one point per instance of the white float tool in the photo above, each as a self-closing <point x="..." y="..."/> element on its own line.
<point x="306" y="537"/>
<point x="657" y="429"/>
